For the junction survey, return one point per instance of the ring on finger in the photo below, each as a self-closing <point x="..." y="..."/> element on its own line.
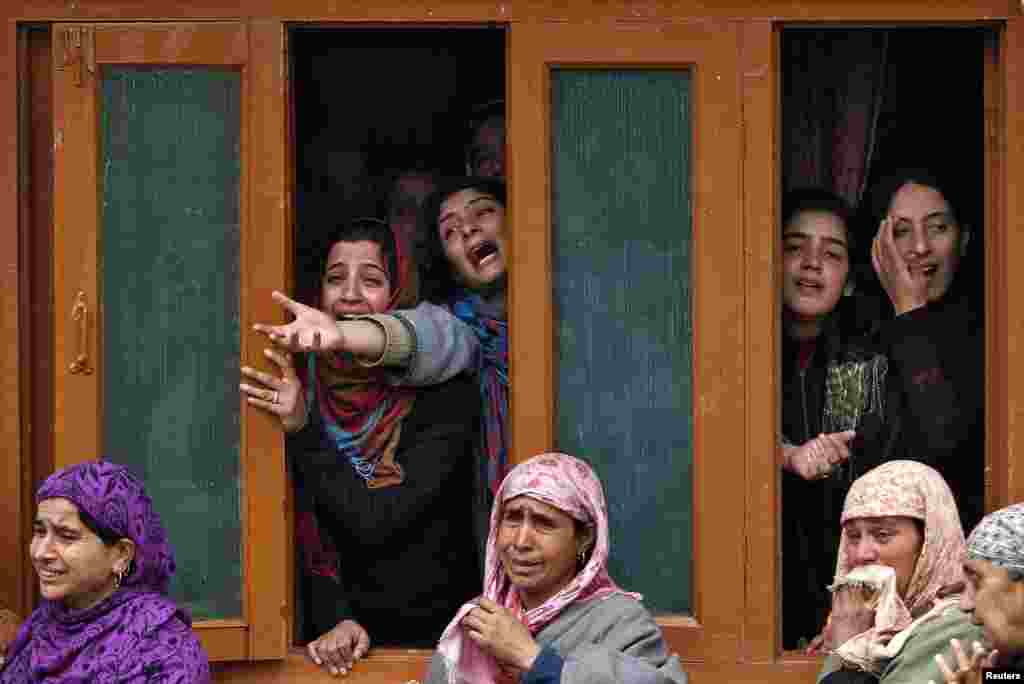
<point x="276" y="399"/>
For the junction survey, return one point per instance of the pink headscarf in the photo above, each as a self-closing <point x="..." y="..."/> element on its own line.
<point x="571" y="486"/>
<point x="912" y="489"/>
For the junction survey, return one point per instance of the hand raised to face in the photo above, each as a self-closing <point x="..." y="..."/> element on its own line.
<point x="496" y="630"/>
<point x="906" y="291"/>
<point x="850" y="616"/>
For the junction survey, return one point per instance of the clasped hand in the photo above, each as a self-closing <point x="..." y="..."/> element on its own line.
<point x="968" y="668"/>
<point x="816" y="458"/>
<point x="497" y="631"/>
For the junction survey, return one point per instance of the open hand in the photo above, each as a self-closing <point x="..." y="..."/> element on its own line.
<point x="311" y="331"/>
<point x="816" y="458"/>
<point x="905" y="291"/>
<point x="965" y="669"/>
<point x="339" y="649"/>
<point x="850" y="616"/>
<point x="496" y="630"/>
<point x="281" y="396"/>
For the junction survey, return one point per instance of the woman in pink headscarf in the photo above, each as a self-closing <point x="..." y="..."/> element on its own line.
<point x="550" y="612"/>
<point x="898" y="579"/>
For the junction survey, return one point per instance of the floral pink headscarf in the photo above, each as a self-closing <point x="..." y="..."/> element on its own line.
<point x="571" y="486"/>
<point x="912" y="489"/>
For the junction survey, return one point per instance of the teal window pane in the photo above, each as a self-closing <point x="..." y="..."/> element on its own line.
<point x="170" y="297"/>
<point x="621" y="233"/>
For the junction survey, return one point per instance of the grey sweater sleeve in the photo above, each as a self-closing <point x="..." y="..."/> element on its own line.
<point x="443" y="346"/>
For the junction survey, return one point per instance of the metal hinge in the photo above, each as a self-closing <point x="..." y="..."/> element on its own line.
<point x="79" y="52"/>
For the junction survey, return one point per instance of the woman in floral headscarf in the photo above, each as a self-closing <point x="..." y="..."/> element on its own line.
<point x="104" y="566"/>
<point x="898" y="578"/>
<point x="549" y="610"/>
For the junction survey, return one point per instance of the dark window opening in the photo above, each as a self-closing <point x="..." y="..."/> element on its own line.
<point x="858" y="105"/>
<point x="379" y="115"/>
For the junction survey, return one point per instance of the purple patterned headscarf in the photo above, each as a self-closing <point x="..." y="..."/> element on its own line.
<point x="137" y="634"/>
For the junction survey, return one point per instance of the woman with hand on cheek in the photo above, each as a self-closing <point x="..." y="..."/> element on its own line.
<point x="935" y="340"/>
<point x="898" y="578"/>
<point x="550" y="612"/>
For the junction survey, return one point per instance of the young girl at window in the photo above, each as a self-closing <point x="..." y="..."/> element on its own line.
<point x="385" y="471"/>
<point x="832" y="390"/>
<point x="467" y="249"/>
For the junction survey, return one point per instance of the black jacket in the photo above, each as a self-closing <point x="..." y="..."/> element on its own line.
<point x="936" y="394"/>
<point x="407" y="553"/>
<point x="816" y="376"/>
<point x="932" y="413"/>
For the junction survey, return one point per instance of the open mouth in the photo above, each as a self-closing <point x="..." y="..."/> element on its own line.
<point x="482" y="252"/>
<point x="47" y="575"/>
<point x="522" y="566"/>
<point x="924" y="271"/>
<point x="809" y="285"/>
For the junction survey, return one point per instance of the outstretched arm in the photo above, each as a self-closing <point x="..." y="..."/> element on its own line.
<point x="316" y="331"/>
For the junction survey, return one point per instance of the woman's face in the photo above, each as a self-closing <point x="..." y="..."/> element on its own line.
<point x="894" y="541"/>
<point x="996" y="603"/>
<point x="356" y="279"/>
<point x="471" y="225"/>
<point x="927" y="236"/>
<point x="816" y="264"/>
<point x="538" y="545"/>
<point x="73" y="564"/>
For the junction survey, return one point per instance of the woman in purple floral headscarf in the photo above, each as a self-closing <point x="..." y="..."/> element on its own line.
<point x="104" y="566"/>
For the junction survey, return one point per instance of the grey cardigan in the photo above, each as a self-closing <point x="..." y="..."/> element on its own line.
<point x="602" y="642"/>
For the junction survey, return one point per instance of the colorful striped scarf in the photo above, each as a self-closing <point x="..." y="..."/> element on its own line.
<point x="361" y="412"/>
<point x="361" y="416"/>
<point x="492" y="373"/>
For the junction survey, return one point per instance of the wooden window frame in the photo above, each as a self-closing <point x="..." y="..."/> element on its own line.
<point x="757" y="659"/>
<point x="260" y="631"/>
<point x="709" y="52"/>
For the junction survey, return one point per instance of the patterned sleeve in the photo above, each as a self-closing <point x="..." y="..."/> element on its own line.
<point x="171" y="655"/>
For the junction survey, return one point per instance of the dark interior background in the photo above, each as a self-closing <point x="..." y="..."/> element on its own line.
<point x="369" y="102"/>
<point x="931" y="115"/>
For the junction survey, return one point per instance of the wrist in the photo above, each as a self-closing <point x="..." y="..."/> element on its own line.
<point x="788" y="453"/>
<point x="528" y="656"/>
<point x="909" y="304"/>
<point x="391" y="342"/>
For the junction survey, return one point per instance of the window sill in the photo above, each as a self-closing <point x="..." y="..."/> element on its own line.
<point x="391" y="665"/>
